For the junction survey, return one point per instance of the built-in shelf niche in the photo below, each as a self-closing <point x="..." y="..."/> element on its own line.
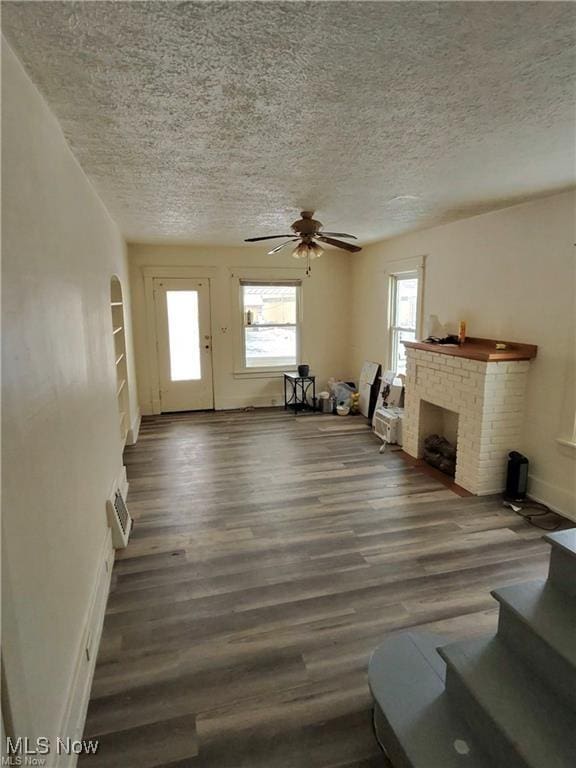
<point x="119" y="338"/>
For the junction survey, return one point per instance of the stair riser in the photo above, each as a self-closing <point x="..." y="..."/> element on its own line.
<point x="553" y="670"/>
<point x="562" y="571"/>
<point x="388" y="741"/>
<point x="482" y="725"/>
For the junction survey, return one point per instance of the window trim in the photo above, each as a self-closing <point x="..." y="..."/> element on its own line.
<point x="404" y="269"/>
<point x="395" y="330"/>
<point x="296" y="325"/>
<point x="293" y="277"/>
<point x="566" y="442"/>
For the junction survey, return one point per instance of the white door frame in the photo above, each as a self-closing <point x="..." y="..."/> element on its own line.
<point x="150" y="273"/>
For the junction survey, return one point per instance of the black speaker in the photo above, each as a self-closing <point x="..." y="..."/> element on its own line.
<point x="516" y="477"/>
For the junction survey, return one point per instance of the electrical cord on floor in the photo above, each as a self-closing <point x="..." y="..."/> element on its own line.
<point x="542" y="511"/>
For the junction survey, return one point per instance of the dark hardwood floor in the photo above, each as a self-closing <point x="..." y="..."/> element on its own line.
<point x="270" y="555"/>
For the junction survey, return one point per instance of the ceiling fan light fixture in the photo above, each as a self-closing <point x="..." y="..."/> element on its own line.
<point x="300" y="252"/>
<point x="307" y="251"/>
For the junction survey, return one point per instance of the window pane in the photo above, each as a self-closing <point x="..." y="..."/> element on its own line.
<point x="183" y="335"/>
<point x="270" y="346"/>
<point x="400" y="349"/>
<point x="406" y="302"/>
<point x="270" y="304"/>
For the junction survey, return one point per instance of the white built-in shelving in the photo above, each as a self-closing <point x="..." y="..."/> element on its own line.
<point x="117" y="310"/>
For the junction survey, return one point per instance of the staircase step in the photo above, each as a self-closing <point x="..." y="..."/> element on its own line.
<point x="538" y="622"/>
<point x="414" y="719"/>
<point x="565" y="540"/>
<point x="562" y="572"/>
<point x="518" y="719"/>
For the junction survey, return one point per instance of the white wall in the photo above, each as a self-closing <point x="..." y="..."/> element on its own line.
<point x="510" y="275"/>
<point x="61" y="438"/>
<point x="325" y="324"/>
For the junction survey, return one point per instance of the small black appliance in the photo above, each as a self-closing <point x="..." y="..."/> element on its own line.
<point x="516" y="477"/>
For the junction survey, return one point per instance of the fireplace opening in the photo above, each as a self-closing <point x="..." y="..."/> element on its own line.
<point x="440" y="453"/>
<point x="438" y="437"/>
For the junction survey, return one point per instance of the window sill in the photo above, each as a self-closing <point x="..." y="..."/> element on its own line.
<point x="263" y="373"/>
<point x="566" y="442"/>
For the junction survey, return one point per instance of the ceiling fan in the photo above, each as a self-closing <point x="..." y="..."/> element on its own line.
<point x="307" y="231"/>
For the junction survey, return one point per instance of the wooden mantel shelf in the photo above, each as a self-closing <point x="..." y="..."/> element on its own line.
<point x="479" y="349"/>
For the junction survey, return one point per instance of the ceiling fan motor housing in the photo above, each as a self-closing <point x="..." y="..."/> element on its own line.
<point x="307" y="225"/>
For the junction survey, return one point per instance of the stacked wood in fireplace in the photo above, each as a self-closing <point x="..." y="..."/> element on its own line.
<point x="440" y="453"/>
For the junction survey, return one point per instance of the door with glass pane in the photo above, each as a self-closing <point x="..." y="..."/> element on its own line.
<point x="184" y="344"/>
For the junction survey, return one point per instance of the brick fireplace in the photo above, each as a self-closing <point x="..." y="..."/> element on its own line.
<point x="477" y="387"/>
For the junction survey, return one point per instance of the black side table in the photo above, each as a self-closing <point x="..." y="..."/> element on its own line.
<point x="297" y="390"/>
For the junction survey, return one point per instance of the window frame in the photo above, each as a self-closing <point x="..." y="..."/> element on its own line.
<point x="241" y="367"/>
<point x="405" y="270"/>
<point x="394" y="330"/>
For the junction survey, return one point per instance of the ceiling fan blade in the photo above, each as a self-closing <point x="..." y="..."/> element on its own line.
<point x="268" y="237"/>
<point x="279" y="247"/>
<point x="337" y="234"/>
<point x="339" y="243"/>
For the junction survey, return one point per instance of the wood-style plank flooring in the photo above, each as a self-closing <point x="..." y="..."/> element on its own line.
<point x="270" y="555"/>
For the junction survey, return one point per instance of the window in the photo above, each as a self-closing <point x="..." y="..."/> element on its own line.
<point x="183" y="335"/>
<point x="270" y="327"/>
<point x="403" y="316"/>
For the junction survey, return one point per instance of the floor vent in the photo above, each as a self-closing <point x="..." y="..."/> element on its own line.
<point x="119" y="520"/>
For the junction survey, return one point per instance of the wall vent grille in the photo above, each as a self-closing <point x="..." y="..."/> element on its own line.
<point x="121" y="511"/>
<point x="119" y="520"/>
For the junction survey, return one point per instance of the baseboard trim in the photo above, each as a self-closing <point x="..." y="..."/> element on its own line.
<point x="72" y="724"/>
<point x="559" y="500"/>
<point x="259" y="401"/>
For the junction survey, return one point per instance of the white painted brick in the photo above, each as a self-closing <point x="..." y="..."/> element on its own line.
<point x="519" y="365"/>
<point x="469" y="365"/>
<point x="489" y="398"/>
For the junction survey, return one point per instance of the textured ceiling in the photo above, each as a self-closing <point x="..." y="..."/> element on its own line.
<point x="210" y="122"/>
